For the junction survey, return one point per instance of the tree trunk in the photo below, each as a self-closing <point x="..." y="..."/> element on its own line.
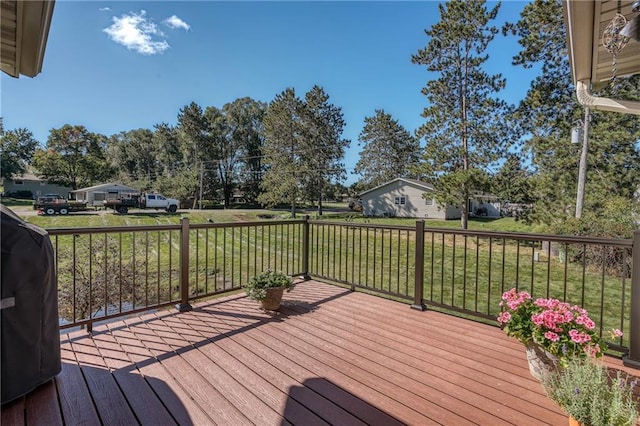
<point x="464" y="213"/>
<point x="320" y="204"/>
<point x="293" y="208"/>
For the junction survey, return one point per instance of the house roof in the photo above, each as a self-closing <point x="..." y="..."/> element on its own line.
<point x="414" y="182"/>
<point x="27" y="176"/>
<point x="23" y="36"/>
<point x="103" y="186"/>
<point x="591" y="63"/>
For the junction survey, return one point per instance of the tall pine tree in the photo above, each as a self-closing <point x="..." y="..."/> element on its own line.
<point x="465" y="129"/>
<point x="282" y="148"/>
<point x="322" y="147"/>
<point x="389" y="150"/>
<point x="549" y="111"/>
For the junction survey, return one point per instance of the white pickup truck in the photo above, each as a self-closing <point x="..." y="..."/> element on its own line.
<point x="143" y="201"/>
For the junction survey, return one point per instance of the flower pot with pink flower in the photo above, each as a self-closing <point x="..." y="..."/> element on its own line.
<point x="552" y="331"/>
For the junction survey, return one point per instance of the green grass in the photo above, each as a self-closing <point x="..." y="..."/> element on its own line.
<point x="17" y="202"/>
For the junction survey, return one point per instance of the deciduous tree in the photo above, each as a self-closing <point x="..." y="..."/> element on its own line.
<point x="73" y="157"/>
<point x="16" y="151"/>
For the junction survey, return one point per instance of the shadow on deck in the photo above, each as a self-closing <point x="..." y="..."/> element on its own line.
<point x="328" y="357"/>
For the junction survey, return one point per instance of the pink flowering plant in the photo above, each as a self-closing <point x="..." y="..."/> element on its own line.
<point x="564" y="330"/>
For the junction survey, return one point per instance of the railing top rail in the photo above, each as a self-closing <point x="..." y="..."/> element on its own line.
<point x="534" y="237"/>
<point x="112" y="229"/>
<point x="362" y="225"/>
<point x="492" y="234"/>
<point x="142" y="228"/>
<point x="245" y="224"/>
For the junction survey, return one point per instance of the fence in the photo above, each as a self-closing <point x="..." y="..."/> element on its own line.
<point x="109" y="272"/>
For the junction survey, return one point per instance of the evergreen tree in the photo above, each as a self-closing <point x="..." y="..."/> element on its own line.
<point x="194" y="136"/>
<point x="322" y="146"/>
<point x="282" y="148"/>
<point x="512" y="182"/>
<point x="549" y="111"/>
<point x="389" y="150"/>
<point x="466" y="130"/>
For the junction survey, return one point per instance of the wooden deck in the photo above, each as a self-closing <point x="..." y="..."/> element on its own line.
<point x="328" y="357"/>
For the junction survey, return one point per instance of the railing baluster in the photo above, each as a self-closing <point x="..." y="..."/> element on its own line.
<point x="419" y="281"/>
<point x="184" y="305"/>
<point x="633" y="358"/>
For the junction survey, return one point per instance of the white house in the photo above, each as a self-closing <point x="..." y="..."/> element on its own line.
<point x="404" y="198"/>
<point x="96" y="195"/>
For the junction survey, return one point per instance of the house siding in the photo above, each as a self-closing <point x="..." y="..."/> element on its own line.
<point x="36" y="186"/>
<point x="381" y="202"/>
<point x="95" y="196"/>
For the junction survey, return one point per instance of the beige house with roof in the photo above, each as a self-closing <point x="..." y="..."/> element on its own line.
<point x="403" y="197"/>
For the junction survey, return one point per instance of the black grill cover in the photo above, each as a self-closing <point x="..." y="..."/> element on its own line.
<point x="30" y="340"/>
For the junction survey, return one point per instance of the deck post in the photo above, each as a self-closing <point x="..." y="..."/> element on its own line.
<point x="419" y="272"/>
<point x="305" y="249"/>
<point x="633" y="358"/>
<point x="184" y="305"/>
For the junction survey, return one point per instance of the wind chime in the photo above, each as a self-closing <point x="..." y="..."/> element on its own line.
<point x="614" y="41"/>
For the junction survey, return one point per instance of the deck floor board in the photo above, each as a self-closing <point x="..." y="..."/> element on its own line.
<point x="329" y="356"/>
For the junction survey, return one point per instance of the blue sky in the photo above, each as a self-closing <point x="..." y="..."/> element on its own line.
<point x="114" y="66"/>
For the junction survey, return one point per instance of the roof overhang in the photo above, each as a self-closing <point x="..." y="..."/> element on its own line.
<point x="25" y="29"/>
<point x="591" y="64"/>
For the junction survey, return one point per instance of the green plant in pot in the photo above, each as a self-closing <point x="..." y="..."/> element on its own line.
<point x="592" y="396"/>
<point x="268" y="288"/>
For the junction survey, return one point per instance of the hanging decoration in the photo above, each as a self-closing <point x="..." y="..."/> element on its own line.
<point x="613" y="41"/>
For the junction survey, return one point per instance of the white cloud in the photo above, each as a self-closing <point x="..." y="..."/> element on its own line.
<point x="105" y="9"/>
<point x="175" y="22"/>
<point x="136" y="32"/>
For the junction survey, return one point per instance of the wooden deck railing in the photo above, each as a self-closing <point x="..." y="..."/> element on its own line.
<point x="110" y="272"/>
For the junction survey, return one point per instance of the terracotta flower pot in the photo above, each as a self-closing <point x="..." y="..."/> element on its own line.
<point x="574" y="422"/>
<point x="541" y="362"/>
<point x="273" y="299"/>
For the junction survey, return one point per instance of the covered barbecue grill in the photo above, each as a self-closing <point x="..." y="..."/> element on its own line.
<point x="30" y="339"/>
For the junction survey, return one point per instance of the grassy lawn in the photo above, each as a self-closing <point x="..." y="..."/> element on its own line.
<point x="335" y="212"/>
<point x="18" y="204"/>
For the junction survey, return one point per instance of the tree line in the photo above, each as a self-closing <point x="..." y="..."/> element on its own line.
<point x="471" y="141"/>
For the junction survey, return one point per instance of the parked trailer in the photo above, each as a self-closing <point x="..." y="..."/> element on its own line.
<point x="51" y="204"/>
<point x="63" y="208"/>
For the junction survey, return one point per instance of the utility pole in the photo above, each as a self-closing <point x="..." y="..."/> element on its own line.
<point x="582" y="173"/>
<point x="201" y="175"/>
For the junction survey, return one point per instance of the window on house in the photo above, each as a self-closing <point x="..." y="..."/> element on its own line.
<point x="401" y="201"/>
<point x="18" y="182"/>
<point x="428" y="201"/>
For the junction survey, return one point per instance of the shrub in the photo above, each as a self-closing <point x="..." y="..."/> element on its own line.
<point x="586" y="392"/>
